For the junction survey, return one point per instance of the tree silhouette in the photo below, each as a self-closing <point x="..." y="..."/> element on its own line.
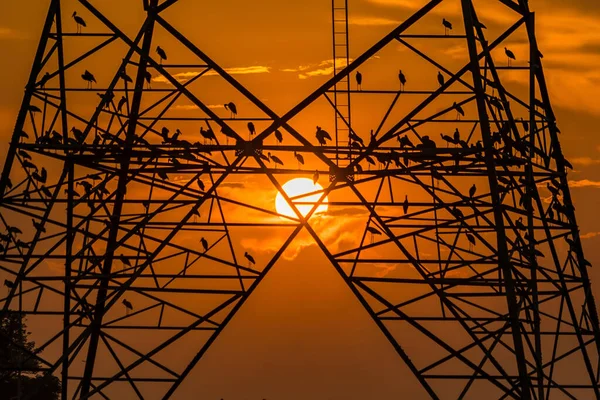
<point x="20" y="370"/>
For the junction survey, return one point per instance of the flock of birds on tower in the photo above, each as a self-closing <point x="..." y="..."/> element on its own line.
<point x="321" y="135"/>
<point x="501" y="137"/>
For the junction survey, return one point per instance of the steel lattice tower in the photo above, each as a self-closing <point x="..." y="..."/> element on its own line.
<point x="107" y="204"/>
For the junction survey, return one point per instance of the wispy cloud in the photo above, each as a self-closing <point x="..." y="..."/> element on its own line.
<point x="584" y="183"/>
<point x="589" y="235"/>
<point x="363" y="20"/>
<point x="586" y="161"/>
<point x="9" y="33"/>
<point x="458" y="52"/>
<point x="182" y="77"/>
<point x="337" y="233"/>
<point x="487" y="11"/>
<point x="324" y="68"/>
<point x="384" y="269"/>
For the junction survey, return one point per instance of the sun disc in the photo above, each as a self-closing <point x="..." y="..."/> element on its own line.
<point x="299" y="187"/>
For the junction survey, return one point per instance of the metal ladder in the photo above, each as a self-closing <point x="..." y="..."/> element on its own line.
<point x="341" y="90"/>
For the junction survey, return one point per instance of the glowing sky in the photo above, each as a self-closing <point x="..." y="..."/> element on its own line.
<point x="297" y="335"/>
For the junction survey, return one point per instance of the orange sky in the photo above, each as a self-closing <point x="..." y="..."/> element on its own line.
<point x="312" y="342"/>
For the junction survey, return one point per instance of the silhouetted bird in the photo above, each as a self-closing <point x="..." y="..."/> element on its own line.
<point x="275" y="159"/>
<point x="122" y="102"/>
<point x="148" y="78"/>
<point x="204" y="244"/>
<point x="126" y="78"/>
<point x="250" y="259"/>
<point x="13" y="230"/>
<point x="299" y="158"/>
<point x="79" y="21"/>
<point x="89" y="78"/>
<point x="124" y="260"/>
<point x="519" y="224"/>
<point x="448" y="139"/>
<point x="38" y="226"/>
<point x="231" y="107"/>
<point x="402" y="79"/>
<point x="161" y="54"/>
<point x="456" y="136"/>
<point x="33" y="109"/>
<point x="322" y="136"/>
<point x="128" y="306"/>
<point x="459" y="110"/>
<point x="471" y="239"/>
<point x="207" y="134"/>
<point x="9" y="284"/>
<point x="447" y="26"/>
<point x="78" y="134"/>
<point x="165" y="134"/>
<point x="228" y="132"/>
<point x="373" y="231"/>
<point x="480" y="24"/>
<point x="251" y="129"/>
<point x="316" y="177"/>
<point x="355" y="138"/>
<point x="370" y="161"/>
<point x="278" y="136"/>
<point x="358" y="80"/>
<point x="405" y="204"/>
<point x="29" y="165"/>
<point x="509" y="55"/>
<point x="440" y="79"/>
<point x="472" y="191"/>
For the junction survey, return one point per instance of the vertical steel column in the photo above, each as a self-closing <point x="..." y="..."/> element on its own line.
<point x="99" y="311"/>
<point x="69" y="165"/>
<point x="502" y="250"/>
<point x="531" y="223"/>
<point x="567" y="201"/>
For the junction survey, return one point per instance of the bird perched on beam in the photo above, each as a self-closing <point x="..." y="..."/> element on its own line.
<point x="128" y="306"/>
<point x="402" y="79"/>
<point x="89" y="78"/>
<point x="300" y="159"/>
<point x="79" y="21"/>
<point x="459" y="110"/>
<point x="509" y="55"/>
<point x="207" y="134"/>
<point x="250" y="259"/>
<point x="275" y="159"/>
<point x="358" y="80"/>
<point x="322" y="136"/>
<point x="251" y="129"/>
<point x="278" y="136"/>
<point x="440" y="78"/>
<point x="161" y="54"/>
<point x="232" y="108"/>
<point x="447" y="26"/>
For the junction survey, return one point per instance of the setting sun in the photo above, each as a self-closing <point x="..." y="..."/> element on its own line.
<point x="298" y="187"/>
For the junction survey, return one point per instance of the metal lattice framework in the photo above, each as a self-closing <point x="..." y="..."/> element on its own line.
<point x="486" y="293"/>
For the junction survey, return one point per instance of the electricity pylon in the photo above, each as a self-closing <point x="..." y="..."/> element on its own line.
<point x="127" y="199"/>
